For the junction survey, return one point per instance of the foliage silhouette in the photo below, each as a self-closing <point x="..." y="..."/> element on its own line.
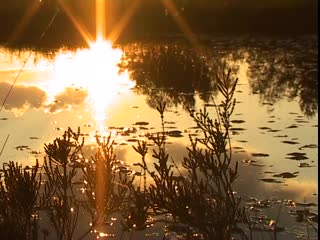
<point x="203" y="197"/>
<point x="200" y="195"/>
<point x="19" y="189"/>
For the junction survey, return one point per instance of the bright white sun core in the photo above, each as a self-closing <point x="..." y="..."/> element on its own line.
<point x="95" y="70"/>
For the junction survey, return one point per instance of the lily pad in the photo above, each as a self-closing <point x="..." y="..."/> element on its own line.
<point x="304" y="165"/>
<point x="237" y="129"/>
<point x="270" y="180"/>
<point x="22" y="147"/>
<point x="175" y="133"/>
<point x="132" y="140"/>
<point x="260" y="154"/>
<point x="301" y="121"/>
<point x="274" y="130"/>
<point x="34" y="138"/>
<point x="264" y="128"/>
<point x="237" y="147"/>
<point x="169" y="122"/>
<point x="290" y="142"/>
<point x="292" y="126"/>
<point x="286" y="175"/>
<point x="266" y="103"/>
<point x="141" y="123"/>
<point x="237" y="121"/>
<point x="297" y="156"/>
<point x="257" y="164"/>
<point x="309" y="146"/>
<point x="281" y="136"/>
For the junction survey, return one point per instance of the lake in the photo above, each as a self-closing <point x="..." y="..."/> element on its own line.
<point x="115" y="90"/>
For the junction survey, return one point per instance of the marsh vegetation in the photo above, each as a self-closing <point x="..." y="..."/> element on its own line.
<point x="194" y="201"/>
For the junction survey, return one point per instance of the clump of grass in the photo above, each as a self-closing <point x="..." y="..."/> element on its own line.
<point x="19" y="189"/>
<point x="58" y="198"/>
<point x="107" y="184"/>
<point x="202" y="197"/>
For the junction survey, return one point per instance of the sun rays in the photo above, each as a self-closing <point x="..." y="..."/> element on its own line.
<point x="182" y="23"/>
<point x="25" y="20"/>
<point x="103" y="10"/>
<point x="76" y="22"/>
<point x="121" y="25"/>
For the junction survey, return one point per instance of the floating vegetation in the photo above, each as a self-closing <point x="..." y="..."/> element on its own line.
<point x="141" y="123"/>
<point x="270" y="180"/>
<point x="292" y="126"/>
<point x="34" y="138"/>
<point x="264" y="128"/>
<point x="281" y="136"/>
<point x="273" y="130"/>
<point x="35" y="152"/>
<point x="265" y="103"/>
<point x="286" y="175"/>
<point x="132" y="140"/>
<point x="3" y="119"/>
<point x="301" y="121"/>
<point x="297" y="156"/>
<point x="309" y="146"/>
<point x="237" y="121"/>
<point x="22" y="148"/>
<point x="237" y="129"/>
<point x="167" y="122"/>
<point x="260" y="154"/>
<point x="304" y="204"/>
<point x="175" y="133"/>
<point x="305" y="165"/>
<point x="290" y="142"/>
<point x="257" y="164"/>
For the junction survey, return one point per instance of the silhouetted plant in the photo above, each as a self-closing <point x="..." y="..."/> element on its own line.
<point x="107" y="184"/>
<point x="202" y="197"/>
<point x="59" y="199"/>
<point x="18" y="202"/>
<point x="137" y="215"/>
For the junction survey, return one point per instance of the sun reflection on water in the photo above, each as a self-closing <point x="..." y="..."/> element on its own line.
<point x="94" y="70"/>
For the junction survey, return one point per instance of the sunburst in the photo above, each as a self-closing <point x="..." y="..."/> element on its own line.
<point x="24" y="22"/>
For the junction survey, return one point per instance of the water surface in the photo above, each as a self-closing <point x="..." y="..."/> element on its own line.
<point x="115" y="90"/>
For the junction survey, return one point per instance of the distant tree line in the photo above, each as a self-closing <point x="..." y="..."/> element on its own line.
<point x="152" y="17"/>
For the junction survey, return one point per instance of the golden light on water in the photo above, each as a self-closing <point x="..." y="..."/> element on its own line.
<point x="94" y="70"/>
